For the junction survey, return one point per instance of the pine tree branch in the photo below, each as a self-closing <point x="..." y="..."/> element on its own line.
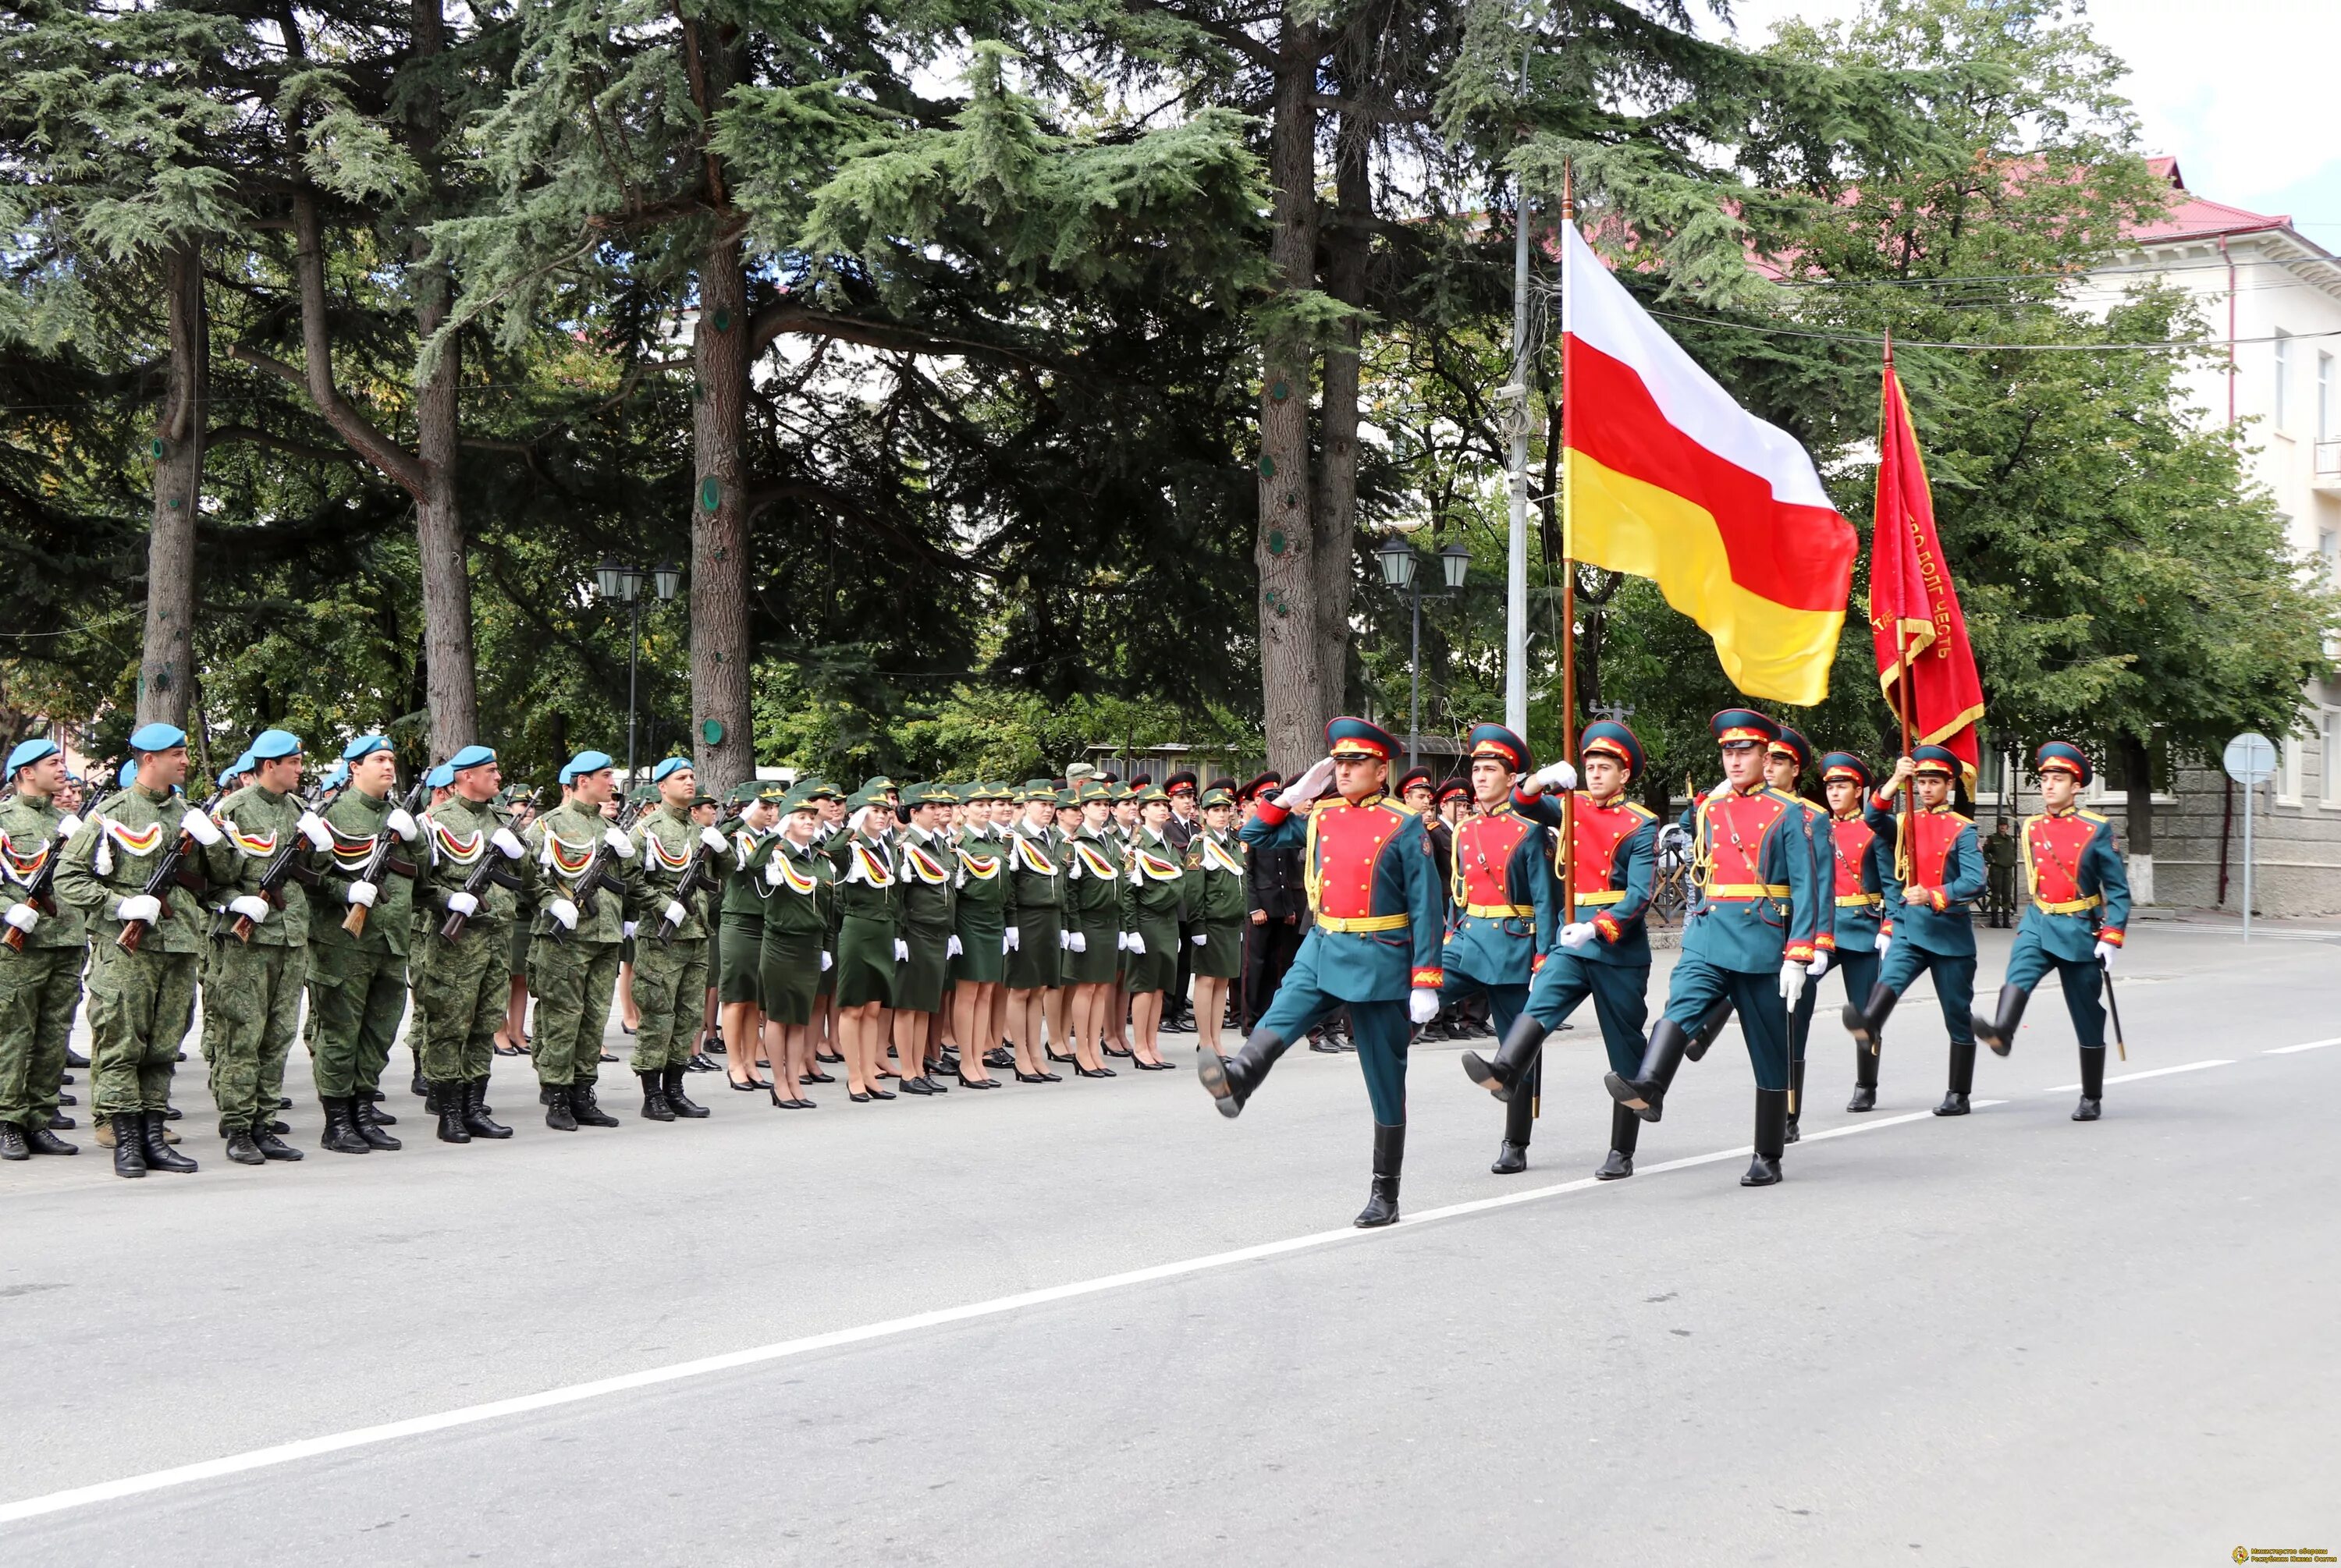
<point x="784" y="317"/>
<point x="1227" y="33"/>
<point x="275" y="442"/>
<point x="850" y="506"/>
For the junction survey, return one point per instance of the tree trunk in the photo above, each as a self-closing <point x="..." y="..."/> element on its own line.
<point x="1291" y="669"/>
<point x="719" y="653"/>
<point x="2137" y="777"/>
<point x="1349" y="247"/>
<point x="166" y="664"/>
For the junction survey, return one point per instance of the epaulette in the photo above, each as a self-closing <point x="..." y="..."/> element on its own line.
<point x="2089" y="816"/>
<point x="1644" y="812"/>
<point x="1811" y="806"/>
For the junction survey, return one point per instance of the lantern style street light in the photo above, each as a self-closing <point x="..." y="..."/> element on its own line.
<point x="1398" y="561"/>
<point x="619" y="583"/>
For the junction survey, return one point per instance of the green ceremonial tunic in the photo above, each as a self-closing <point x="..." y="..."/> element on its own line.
<point x="574" y="973"/>
<point x="252" y="990"/>
<point x="980" y="912"/>
<point x="463" y="985"/>
<point x="1158" y="906"/>
<point x="800" y="888"/>
<point x="671" y="975"/>
<point x="357" y="985"/>
<point x="926" y="868"/>
<point x="1097" y="907"/>
<point x="1035" y="906"/>
<point x="40" y="987"/>
<point x="1216" y="864"/>
<point x="742" y="912"/>
<point x="867" y="909"/>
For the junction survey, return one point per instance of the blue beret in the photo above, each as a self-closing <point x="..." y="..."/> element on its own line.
<point x="1606" y="735"/>
<point x="2066" y="755"/>
<point x="1349" y="737"/>
<point x="243" y="764"/>
<point x="365" y="746"/>
<point x="668" y="769"/>
<point x="335" y="776"/>
<point x="273" y="745"/>
<point x="1745" y="724"/>
<point x="127" y="776"/>
<point x="586" y="763"/>
<point x="157" y="738"/>
<point x="1504" y="745"/>
<point x="470" y="757"/>
<point x="440" y="778"/>
<point x="28" y="752"/>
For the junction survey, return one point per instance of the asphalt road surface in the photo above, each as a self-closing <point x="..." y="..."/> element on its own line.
<point x="1092" y="1323"/>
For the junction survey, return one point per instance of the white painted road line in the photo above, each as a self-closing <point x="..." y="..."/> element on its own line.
<point x="2149" y="1073"/>
<point x="2311" y="1045"/>
<point x="650" y="1378"/>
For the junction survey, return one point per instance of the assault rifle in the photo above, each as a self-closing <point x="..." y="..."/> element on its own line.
<point x="384" y="861"/>
<point x="490" y="869"/>
<point x="285" y="863"/>
<point x="695" y="876"/>
<point x="596" y="875"/>
<point x="170" y="871"/>
<point x="40" y="892"/>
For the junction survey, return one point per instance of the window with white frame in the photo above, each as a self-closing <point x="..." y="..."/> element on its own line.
<point x="2290" y="764"/>
<point x="2328" y="731"/>
<point x="2283" y="347"/>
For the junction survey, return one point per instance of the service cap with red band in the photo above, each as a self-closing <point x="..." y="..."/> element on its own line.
<point x="1610" y="737"/>
<point x="1179" y="783"/>
<point x="1846" y="765"/>
<point x="1454" y="790"/>
<point x="1504" y="745"/>
<point x="1935" y="760"/>
<point x="1347" y="736"/>
<point x="1791" y="744"/>
<point x="2065" y="756"/>
<point x="1744" y="724"/>
<point x="1260" y="786"/>
<point x="1413" y="779"/>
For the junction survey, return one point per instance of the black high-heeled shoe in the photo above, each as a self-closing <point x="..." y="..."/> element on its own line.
<point x="881" y="1094"/>
<point x="1111" y="1052"/>
<point x="751" y="1087"/>
<point x="968" y="1083"/>
<point x="817" y="1078"/>
<point x="859" y="1096"/>
<point x="1093" y="1073"/>
<point x="831" y="1060"/>
<point x="1052" y="1077"/>
<point x="1051" y="1051"/>
<point x="781" y="1105"/>
<point x="1024" y="1077"/>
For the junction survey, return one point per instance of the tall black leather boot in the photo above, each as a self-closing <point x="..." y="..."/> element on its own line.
<point x="1865" y="1077"/>
<point x="1796" y="1099"/>
<point x="1625" y="1132"/>
<point x="129" y="1143"/>
<point x="1645" y="1093"/>
<point x="1231" y="1080"/>
<point x="1710" y="1024"/>
<point x="416" y="1086"/>
<point x="41" y="1141"/>
<point x="1519" y="1121"/>
<point x="1389" y="1153"/>
<point x="341" y="1135"/>
<point x="472" y="1097"/>
<point x="271" y="1146"/>
<point x="684" y="1104"/>
<point x="447" y="1099"/>
<point x="1771" y="1137"/>
<point x="557" y="1115"/>
<point x="366" y="1117"/>
<point x="1512" y="1060"/>
<point x="12" y="1143"/>
<point x="2093" y="1084"/>
<point x="162" y="1157"/>
<point x="1955" y="1101"/>
<point x="586" y="1108"/>
<point x="1998" y="1031"/>
<point x="1868" y="1021"/>
<point x="654" y="1105"/>
<point x="241" y="1148"/>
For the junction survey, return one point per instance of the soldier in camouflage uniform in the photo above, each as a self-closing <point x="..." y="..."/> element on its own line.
<point x="140" y="1002"/>
<point x="40" y="963"/>
<point x="463" y="985"/>
<point x="671" y="939"/>
<point x="357" y="982"/>
<point x="572" y="961"/>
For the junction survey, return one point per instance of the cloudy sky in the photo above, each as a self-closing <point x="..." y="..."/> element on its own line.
<point x="2241" y="92"/>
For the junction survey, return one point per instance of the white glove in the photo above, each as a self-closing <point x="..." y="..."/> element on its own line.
<point x="716" y="843"/>
<point x="1200" y="940"/>
<point x="1309" y="786"/>
<point x="22" y="917"/>
<point x="1122" y="942"/>
<point x="1576" y="934"/>
<point x="675" y="913"/>
<point x="1885" y="940"/>
<point x="251" y="907"/>
<point x="1423" y="1004"/>
<point x="628" y="928"/>
<point x="509" y="846"/>
<point x="68" y="825"/>
<point x="142" y="907"/>
<point x="461" y="903"/>
<point x="951" y="949"/>
<point x="1556" y="776"/>
<point x="1792" y="982"/>
<point x="772" y="870"/>
<point x="199" y="826"/>
<point x="313" y="828"/>
<point x="1077" y="941"/>
<point x="902" y="951"/>
<point x="400" y="823"/>
<point x="1009" y="940"/>
<point x="826" y="960"/>
<point x="363" y="894"/>
<point x="563" y="913"/>
<point x="1136" y="943"/>
<point x="1820" y="965"/>
<point x="1065" y="940"/>
<point x="619" y="845"/>
<point x="2105" y="953"/>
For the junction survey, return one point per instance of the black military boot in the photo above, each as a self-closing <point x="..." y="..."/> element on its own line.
<point x="1867" y="1022"/>
<point x="2093" y="1084"/>
<point x="1998" y="1031"/>
<point x="1955" y="1100"/>
<point x="65" y="1098"/>
<point x="557" y="1114"/>
<point x="160" y="1154"/>
<point x="377" y="1117"/>
<point x="1795" y="1101"/>
<point x="586" y="1109"/>
<point x="417" y="1087"/>
<point x="273" y="1147"/>
<point x="1519" y="1122"/>
<point x="341" y="1135"/>
<point x="1645" y="1093"/>
<point x="241" y="1149"/>
<point x="1390" y="1153"/>
<point x="654" y="1105"/>
<point x="1625" y="1132"/>
<point x="60" y="1121"/>
<point x="1710" y="1024"/>
<point x="472" y="1097"/>
<point x="447" y="1099"/>
<point x="129" y="1143"/>
<point x="1513" y="1058"/>
<point x="12" y="1143"/>
<point x="1865" y="1076"/>
<point x="41" y="1141"/>
<point x="1771" y="1137"/>
<point x="367" y="1118"/>
<point x="75" y="1060"/>
<point x="1231" y="1080"/>
<point x="682" y="1105"/>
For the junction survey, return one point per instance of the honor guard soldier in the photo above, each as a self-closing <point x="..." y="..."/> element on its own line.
<point x="1215" y="860"/>
<point x="1937" y="873"/>
<point x="1999" y="860"/>
<point x="1785" y="763"/>
<point x="357" y="977"/>
<point x="1415" y="792"/>
<point x="1858" y="868"/>
<point x="1500" y="898"/>
<point x="1273" y="903"/>
<point x="1595" y="945"/>
<point x="2079" y="892"/>
<point x="1374" y="945"/>
<point x="572" y="957"/>
<point x="926" y="941"/>
<point x="670" y="938"/>
<point x="40" y="956"/>
<point x="1750" y="937"/>
<point x="465" y="974"/>
<point x="1034" y="916"/>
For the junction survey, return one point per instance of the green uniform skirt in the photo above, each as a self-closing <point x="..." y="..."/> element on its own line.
<point x="740" y="979"/>
<point x="865" y="962"/>
<point x="980" y="959"/>
<point x="519" y="940"/>
<point x="1220" y="958"/>
<point x="1157" y="968"/>
<point x="1102" y="962"/>
<point x="790" y="964"/>
<point x="919" y="981"/>
<point x="1033" y="965"/>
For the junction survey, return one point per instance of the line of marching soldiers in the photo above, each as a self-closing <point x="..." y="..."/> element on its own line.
<point x="1785" y="889"/>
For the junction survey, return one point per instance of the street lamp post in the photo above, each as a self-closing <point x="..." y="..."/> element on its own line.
<point x="1397" y="558"/>
<point x="623" y="584"/>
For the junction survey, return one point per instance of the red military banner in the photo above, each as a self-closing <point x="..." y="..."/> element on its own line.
<point x="1925" y="664"/>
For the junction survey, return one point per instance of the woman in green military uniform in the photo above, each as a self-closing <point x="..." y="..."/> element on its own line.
<point x="980" y="921"/>
<point x="923" y="943"/>
<point x="1158" y="907"/>
<point x="740" y="948"/>
<point x="794" y="954"/>
<point x="1034" y="925"/>
<point x="1097" y="911"/>
<point x="1216" y="860"/>
<point x="866" y="907"/>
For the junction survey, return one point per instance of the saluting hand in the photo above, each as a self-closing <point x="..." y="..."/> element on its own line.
<point x="1309" y="786"/>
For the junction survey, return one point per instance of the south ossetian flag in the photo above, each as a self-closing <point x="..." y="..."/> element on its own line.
<point x="1668" y="478"/>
